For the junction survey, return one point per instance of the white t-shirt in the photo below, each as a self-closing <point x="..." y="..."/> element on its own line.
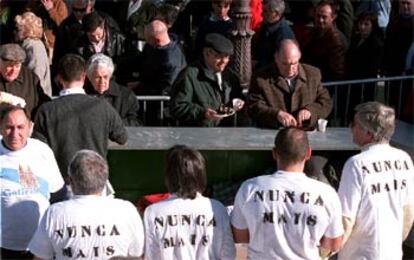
<point x="374" y="187"/>
<point x="89" y="227"/>
<point x="286" y="214"/>
<point x="179" y="228"/>
<point x="27" y="177"/>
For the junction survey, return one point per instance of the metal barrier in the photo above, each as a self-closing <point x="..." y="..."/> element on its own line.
<point x="388" y="90"/>
<point x="143" y="104"/>
<point x="341" y="91"/>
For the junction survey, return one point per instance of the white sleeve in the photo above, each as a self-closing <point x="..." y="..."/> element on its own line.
<point x="41" y="245"/>
<point x="54" y="177"/>
<point x="335" y="227"/>
<point x="237" y="217"/>
<point x="228" y="249"/>
<point x="152" y="247"/>
<point x="136" y="248"/>
<point x="350" y="190"/>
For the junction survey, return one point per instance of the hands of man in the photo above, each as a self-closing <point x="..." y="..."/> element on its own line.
<point x="286" y="119"/>
<point x="303" y="115"/>
<point x="211" y="114"/>
<point x="48" y="4"/>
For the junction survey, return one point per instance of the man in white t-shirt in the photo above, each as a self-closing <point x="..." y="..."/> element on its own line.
<point x="28" y="175"/>
<point x="376" y="188"/>
<point x="287" y="215"/>
<point x="89" y="226"/>
<point x="187" y="225"/>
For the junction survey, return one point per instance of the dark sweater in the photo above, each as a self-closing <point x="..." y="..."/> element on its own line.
<point x="74" y="122"/>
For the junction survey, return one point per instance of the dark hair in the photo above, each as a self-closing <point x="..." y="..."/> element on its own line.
<point x="185" y="172"/>
<point x="334" y="6"/>
<point x="168" y="13"/>
<point x="88" y="172"/>
<point x="372" y="17"/>
<point x="6" y="109"/>
<point x="291" y="145"/>
<point x="92" y="21"/>
<point x="71" y="67"/>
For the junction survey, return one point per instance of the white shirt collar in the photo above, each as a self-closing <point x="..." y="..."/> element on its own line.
<point x="72" y="90"/>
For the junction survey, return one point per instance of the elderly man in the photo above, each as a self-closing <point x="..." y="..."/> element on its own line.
<point x="77" y="121"/>
<point x="29" y="175"/>
<point x="90" y="225"/>
<point x="376" y="188"/>
<point x="274" y="29"/>
<point x="205" y="86"/>
<point x="288" y="93"/>
<point x="18" y="80"/>
<point x="99" y="72"/>
<point x="287" y="215"/>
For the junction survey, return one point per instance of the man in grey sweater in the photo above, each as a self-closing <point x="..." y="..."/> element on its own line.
<point x="76" y="121"/>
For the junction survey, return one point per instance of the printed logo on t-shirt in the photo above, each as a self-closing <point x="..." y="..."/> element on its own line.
<point x="288" y="197"/>
<point x="83" y="232"/>
<point x="29" y="183"/>
<point x="385" y="167"/>
<point x="194" y="224"/>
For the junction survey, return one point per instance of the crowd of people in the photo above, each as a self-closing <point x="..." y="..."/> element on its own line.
<point x="69" y="75"/>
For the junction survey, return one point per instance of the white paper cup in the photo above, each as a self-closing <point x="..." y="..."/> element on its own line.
<point x="322" y="123"/>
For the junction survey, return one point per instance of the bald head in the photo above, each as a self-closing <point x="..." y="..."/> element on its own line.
<point x="287" y="58"/>
<point x="156" y="33"/>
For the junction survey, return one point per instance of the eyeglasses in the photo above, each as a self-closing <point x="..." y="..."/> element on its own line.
<point x="79" y="10"/>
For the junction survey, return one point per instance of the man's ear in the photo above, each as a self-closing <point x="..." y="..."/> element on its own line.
<point x="308" y="153"/>
<point x="274" y="154"/>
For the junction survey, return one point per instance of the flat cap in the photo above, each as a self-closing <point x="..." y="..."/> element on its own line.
<point x="12" y="52"/>
<point x="219" y="43"/>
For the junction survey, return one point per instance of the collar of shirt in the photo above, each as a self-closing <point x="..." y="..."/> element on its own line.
<point x="72" y="90"/>
<point x="214" y="18"/>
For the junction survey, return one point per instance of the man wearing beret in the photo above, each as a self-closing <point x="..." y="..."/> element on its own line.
<point x="203" y="87"/>
<point x="19" y="81"/>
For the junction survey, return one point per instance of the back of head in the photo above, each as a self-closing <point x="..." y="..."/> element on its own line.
<point x="71" y="68"/>
<point x="376" y="118"/>
<point x="291" y="145"/>
<point x="185" y="172"/>
<point x="28" y="25"/>
<point x="88" y="173"/>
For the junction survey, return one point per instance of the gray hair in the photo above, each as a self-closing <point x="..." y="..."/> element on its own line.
<point x="99" y="60"/>
<point x="88" y="172"/>
<point x="276" y="6"/>
<point x="376" y="118"/>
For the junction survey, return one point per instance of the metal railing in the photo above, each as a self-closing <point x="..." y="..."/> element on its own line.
<point x="381" y="89"/>
<point x="388" y="90"/>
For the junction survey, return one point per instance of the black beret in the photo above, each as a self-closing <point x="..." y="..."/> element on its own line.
<point x="219" y="43"/>
<point x="12" y="52"/>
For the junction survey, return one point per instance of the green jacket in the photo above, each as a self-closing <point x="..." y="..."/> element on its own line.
<point x="196" y="89"/>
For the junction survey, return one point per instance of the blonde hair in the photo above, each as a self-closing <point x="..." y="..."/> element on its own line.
<point x="28" y="25"/>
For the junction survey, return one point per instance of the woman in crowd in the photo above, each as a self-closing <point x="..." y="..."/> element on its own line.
<point x="29" y="33"/>
<point x="187" y="225"/>
<point x="99" y="71"/>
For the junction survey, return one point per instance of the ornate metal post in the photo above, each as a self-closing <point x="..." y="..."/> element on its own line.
<point x="242" y="62"/>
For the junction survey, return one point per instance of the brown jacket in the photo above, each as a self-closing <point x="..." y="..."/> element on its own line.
<point x="269" y="93"/>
